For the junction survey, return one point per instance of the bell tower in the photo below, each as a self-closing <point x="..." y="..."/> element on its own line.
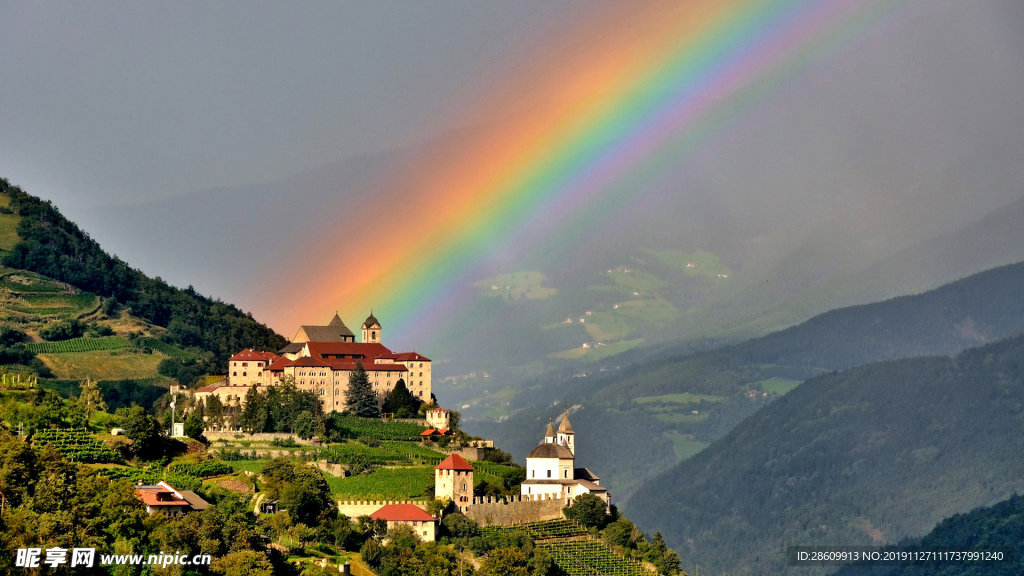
<point x="371" y="329"/>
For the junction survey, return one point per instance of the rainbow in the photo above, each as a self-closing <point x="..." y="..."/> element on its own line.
<point x="635" y="88"/>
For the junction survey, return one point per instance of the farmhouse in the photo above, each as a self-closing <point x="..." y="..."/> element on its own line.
<point x="164" y="499"/>
<point x="409" y="515"/>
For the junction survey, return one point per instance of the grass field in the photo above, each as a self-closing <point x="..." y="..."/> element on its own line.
<point x="778" y="386"/>
<point x="697" y="263"/>
<point x="683" y="398"/>
<point x="684" y="445"/>
<point x="102" y="365"/>
<point x="597" y="352"/>
<point x="527" y="285"/>
<point x="674" y="418"/>
<point x="384" y="484"/>
<point x="248" y="465"/>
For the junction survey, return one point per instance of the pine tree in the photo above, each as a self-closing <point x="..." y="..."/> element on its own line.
<point x="215" y="411"/>
<point x="400" y="401"/>
<point x="360" y="399"/>
<point x="91" y="398"/>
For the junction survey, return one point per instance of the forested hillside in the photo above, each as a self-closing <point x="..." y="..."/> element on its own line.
<point x="999" y="525"/>
<point x="55" y="247"/>
<point x="866" y="456"/>
<point x="656" y="396"/>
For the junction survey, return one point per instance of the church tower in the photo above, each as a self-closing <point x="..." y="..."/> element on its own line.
<point x="566" y="435"/>
<point x="371" y="329"/>
<point x="549" y="435"/>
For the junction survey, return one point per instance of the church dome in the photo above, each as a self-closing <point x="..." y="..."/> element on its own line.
<point x="550" y="450"/>
<point x="371" y="320"/>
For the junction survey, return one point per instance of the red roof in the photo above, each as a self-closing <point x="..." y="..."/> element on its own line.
<point x="428" y="432"/>
<point x="409" y="356"/>
<point x="402" y="513"/>
<point x="454" y="462"/>
<point x="255" y="355"/>
<point x="308" y="361"/>
<point x="279" y="365"/>
<point x="150" y="498"/>
<point x="360" y="350"/>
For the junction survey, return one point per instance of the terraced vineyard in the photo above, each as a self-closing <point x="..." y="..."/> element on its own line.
<point x="390" y="430"/>
<point x="575" y="551"/>
<point x="386" y="453"/>
<point x="167" y="349"/>
<point x="76" y="445"/>
<point x="590" y="558"/>
<point x="400" y="483"/>
<point x="79" y="345"/>
<point x="179" y="480"/>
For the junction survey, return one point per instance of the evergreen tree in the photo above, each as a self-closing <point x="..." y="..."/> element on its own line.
<point x="194" y="426"/>
<point x="254" y="415"/>
<point x="401" y="402"/>
<point x="143" y="430"/>
<point x="215" y="411"/>
<point x="91" y="399"/>
<point x="360" y="399"/>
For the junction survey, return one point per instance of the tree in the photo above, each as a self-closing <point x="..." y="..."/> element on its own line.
<point x="400" y="401"/>
<point x="194" y="426"/>
<point x="91" y="399"/>
<point x="301" y="489"/>
<point x="360" y="399"/>
<point x="305" y="426"/>
<point x="505" y="562"/>
<point x="143" y="430"/>
<point x="214" y="411"/>
<point x="11" y="336"/>
<point x="243" y="563"/>
<point x="588" y="510"/>
<point x="254" y="415"/>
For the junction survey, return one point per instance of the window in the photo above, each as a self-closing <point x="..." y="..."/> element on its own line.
<point x="533" y="473"/>
<point x="243" y="373"/>
<point x="234" y="373"/>
<point x="549" y="473"/>
<point x="566" y="473"/>
<point x="244" y="364"/>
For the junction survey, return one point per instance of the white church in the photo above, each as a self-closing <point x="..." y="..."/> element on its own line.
<point x="551" y="471"/>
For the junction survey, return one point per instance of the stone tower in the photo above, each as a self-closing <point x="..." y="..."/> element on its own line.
<point x="371" y="329"/>
<point x="453" y="479"/>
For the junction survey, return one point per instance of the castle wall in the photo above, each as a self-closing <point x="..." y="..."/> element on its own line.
<point x="489" y="511"/>
<point x="356" y="508"/>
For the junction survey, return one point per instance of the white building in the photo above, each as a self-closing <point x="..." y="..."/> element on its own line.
<point x="551" y="471"/>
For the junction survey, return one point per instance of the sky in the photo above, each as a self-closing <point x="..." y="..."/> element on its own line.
<point x="386" y="154"/>
<point x="117" y="102"/>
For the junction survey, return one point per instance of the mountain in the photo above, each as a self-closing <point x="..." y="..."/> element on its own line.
<point x="866" y="456"/>
<point x="676" y="403"/>
<point x="999" y="525"/>
<point x="39" y="239"/>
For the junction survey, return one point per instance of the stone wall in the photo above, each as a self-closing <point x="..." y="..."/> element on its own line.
<point x="357" y="508"/>
<point x="261" y="437"/>
<point x="489" y="511"/>
<point x="469" y="454"/>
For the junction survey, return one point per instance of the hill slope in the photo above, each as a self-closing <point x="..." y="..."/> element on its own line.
<point x="45" y="242"/>
<point x="657" y="395"/>
<point x="866" y="456"/>
<point x="999" y="525"/>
